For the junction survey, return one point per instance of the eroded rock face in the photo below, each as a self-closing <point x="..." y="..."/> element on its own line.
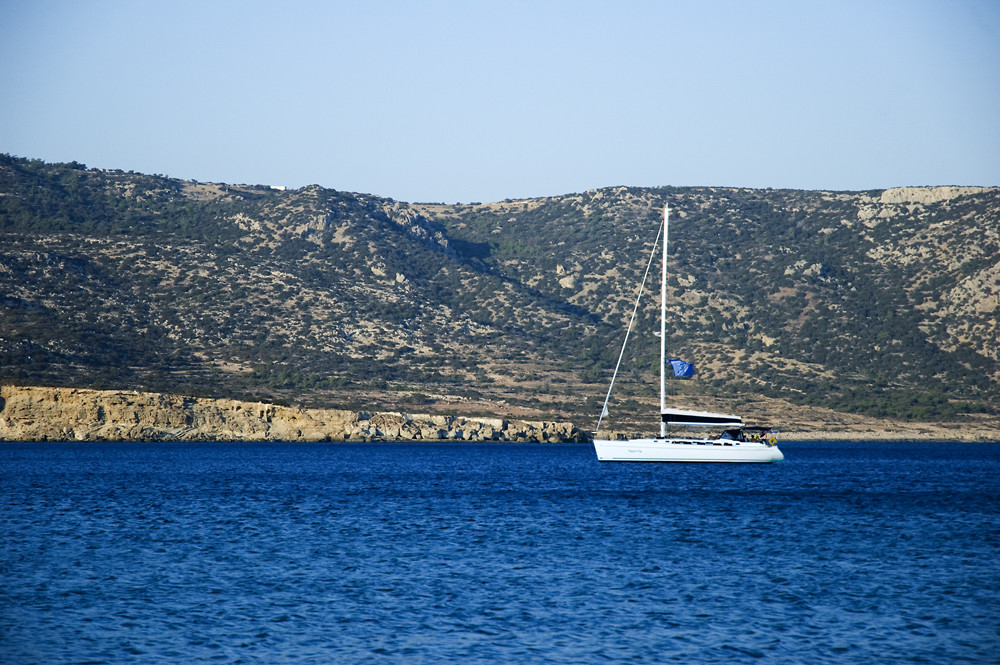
<point x="927" y="195"/>
<point x="70" y="414"/>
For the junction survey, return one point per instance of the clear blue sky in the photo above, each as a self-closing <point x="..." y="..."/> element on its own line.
<point x="460" y="101"/>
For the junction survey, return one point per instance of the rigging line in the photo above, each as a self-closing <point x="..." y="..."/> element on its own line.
<point x="628" y="331"/>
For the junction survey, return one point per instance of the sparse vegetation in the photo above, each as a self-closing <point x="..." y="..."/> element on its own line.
<point x="850" y="300"/>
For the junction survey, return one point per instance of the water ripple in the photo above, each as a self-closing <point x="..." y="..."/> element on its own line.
<point x="844" y="553"/>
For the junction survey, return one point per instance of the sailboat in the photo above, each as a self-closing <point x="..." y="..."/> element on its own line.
<point x="737" y="442"/>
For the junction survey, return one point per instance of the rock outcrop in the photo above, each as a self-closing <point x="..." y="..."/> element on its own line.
<point x="70" y="414"/>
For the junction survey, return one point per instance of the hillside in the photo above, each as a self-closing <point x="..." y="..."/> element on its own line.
<point x="879" y="303"/>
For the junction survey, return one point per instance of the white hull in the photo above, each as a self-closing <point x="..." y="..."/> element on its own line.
<point x="686" y="450"/>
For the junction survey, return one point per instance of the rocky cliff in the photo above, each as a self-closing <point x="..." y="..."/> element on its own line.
<point x="69" y="414"/>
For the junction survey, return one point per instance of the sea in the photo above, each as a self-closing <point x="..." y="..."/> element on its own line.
<point x="274" y="553"/>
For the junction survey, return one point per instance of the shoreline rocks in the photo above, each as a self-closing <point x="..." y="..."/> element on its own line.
<point x="76" y="414"/>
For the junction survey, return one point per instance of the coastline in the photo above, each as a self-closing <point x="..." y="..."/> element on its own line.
<point x="32" y="413"/>
<point x="898" y="436"/>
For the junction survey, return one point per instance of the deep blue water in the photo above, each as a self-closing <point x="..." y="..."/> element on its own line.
<point x="381" y="553"/>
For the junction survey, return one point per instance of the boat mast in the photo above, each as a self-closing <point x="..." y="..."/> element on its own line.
<point x="663" y="325"/>
<point x="628" y="331"/>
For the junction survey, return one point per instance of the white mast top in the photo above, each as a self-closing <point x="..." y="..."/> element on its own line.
<point x="663" y="324"/>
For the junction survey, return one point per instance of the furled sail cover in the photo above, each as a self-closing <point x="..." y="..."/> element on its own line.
<point x="703" y="418"/>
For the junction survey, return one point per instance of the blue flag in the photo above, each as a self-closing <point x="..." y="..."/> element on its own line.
<point x="681" y="368"/>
